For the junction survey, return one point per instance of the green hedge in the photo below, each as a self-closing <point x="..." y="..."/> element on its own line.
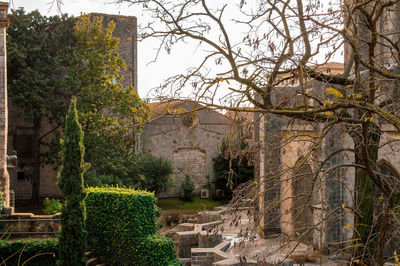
<point x="39" y="253"/>
<point x="121" y="225"/>
<point x="153" y="250"/>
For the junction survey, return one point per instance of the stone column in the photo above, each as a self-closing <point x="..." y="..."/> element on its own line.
<point x="4" y="177"/>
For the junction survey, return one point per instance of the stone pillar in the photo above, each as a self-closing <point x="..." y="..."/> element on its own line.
<point x="272" y="165"/>
<point x="4" y="177"/>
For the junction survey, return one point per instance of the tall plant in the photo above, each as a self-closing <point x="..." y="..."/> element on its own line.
<point x="70" y="181"/>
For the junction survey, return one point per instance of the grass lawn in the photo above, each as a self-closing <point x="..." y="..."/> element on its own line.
<point x="179" y="206"/>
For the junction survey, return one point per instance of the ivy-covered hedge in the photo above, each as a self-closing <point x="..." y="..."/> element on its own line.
<point x="33" y="252"/>
<point x="121" y="225"/>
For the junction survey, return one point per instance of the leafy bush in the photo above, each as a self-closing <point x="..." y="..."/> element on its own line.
<point x="146" y="172"/>
<point x="52" y="206"/>
<point x="119" y="221"/>
<point x="187" y="189"/>
<point x="153" y="173"/>
<point x="95" y="179"/>
<point x="154" y="250"/>
<point x="39" y="253"/>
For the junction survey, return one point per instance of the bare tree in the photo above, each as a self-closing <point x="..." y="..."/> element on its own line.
<point x="265" y="53"/>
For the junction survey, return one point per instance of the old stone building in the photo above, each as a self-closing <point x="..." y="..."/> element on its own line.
<point x="309" y="197"/>
<point x="20" y="131"/>
<point x="188" y="134"/>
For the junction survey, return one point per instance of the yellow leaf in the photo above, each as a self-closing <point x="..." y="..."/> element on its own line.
<point x="180" y="111"/>
<point x="335" y="92"/>
<point x="368" y="119"/>
<point x="347" y="226"/>
<point x="396" y="258"/>
<point x="358" y="95"/>
<point x="227" y="81"/>
<point x="345" y="208"/>
<point x="168" y="110"/>
<point x="329" y="114"/>
<point x="381" y="197"/>
<point x="221" y="80"/>
<point x="255" y="182"/>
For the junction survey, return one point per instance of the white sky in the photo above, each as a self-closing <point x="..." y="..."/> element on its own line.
<point x="149" y="75"/>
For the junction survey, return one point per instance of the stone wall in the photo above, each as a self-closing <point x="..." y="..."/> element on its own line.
<point x="30" y="225"/>
<point x="126" y="31"/>
<point x="332" y="190"/>
<point x="190" y="149"/>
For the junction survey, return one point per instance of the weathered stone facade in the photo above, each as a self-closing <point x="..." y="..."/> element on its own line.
<point x="126" y="31"/>
<point x="188" y="135"/>
<point x="327" y="196"/>
<point x="4" y="177"/>
<point x="20" y="132"/>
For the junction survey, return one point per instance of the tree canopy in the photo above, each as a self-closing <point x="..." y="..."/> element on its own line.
<point x="54" y="58"/>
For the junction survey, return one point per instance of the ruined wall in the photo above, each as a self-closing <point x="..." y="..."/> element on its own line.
<point x="190" y="149"/>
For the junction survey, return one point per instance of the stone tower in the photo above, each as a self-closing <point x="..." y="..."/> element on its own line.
<point x="4" y="178"/>
<point x="126" y="31"/>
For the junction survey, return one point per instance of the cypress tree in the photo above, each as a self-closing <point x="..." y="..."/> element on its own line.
<point x="70" y="181"/>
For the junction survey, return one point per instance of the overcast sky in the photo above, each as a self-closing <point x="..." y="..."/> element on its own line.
<point x="149" y="75"/>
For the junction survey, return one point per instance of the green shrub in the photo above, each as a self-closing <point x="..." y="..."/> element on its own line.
<point x="95" y="179"/>
<point x="52" y="206"/>
<point x="152" y="173"/>
<point x="145" y="172"/>
<point x="187" y="189"/>
<point x="39" y="253"/>
<point x="119" y="221"/>
<point x="154" y="250"/>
